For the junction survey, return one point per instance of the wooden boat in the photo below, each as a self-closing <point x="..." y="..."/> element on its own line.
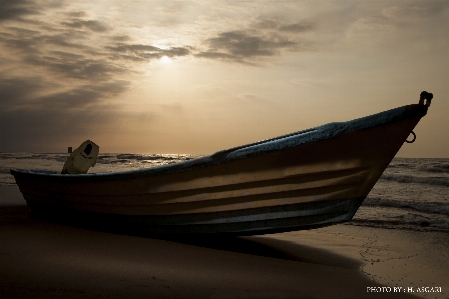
<point x="302" y="180"/>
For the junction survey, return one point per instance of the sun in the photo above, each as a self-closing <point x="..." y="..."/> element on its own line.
<point x="165" y="59"/>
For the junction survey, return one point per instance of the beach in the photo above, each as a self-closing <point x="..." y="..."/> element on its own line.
<point x="40" y="259"/>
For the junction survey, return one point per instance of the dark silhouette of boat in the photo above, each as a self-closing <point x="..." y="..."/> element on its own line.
<point x="302" y="180"/>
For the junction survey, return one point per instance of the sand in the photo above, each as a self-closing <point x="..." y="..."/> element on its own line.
<point x="47" y="260"/>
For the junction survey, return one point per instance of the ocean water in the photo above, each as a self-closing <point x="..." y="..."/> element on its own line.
<point x="412" y="193"/>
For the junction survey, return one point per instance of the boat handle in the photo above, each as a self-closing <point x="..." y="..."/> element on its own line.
<point x="414" y="137"/>
<point x="222" y="153"/>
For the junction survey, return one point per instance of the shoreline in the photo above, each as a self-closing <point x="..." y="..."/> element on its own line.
<point x="394" y="258"/>
<point x="47" y="260"/>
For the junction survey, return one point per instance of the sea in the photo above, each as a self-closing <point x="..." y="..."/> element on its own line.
<point x="411" y="194"/>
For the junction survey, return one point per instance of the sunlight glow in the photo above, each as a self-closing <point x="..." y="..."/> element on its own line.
<point x="165" y="59"/>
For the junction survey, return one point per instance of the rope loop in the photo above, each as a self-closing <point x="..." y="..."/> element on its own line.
<point x="414" y="137"/>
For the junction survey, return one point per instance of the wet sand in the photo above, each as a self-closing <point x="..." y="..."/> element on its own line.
<point x="39" y="259"/>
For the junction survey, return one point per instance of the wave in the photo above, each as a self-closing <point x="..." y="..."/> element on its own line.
<point x="15" y="156"/>
<point x="140" y="157"/>
<point x="401" y="165"/>
<point x="118" y="161"/>
<point x="434" y="181"/>
<point x="421" y="164"/>
<point x="426" y="207"/>
<point x="410" y="221"/>
<point x="442" y="168"/>
<point x="143" y="158"/>
<point x="103" y="157"/>
<point x="147" y="158"/>
<point x="30" y="156"/>
<point x="5" y="170"/>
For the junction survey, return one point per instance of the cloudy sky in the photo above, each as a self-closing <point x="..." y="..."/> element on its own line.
<point x="199" y="76"/>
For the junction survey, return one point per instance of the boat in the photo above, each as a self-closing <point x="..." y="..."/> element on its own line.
<point x="307" y="179"/>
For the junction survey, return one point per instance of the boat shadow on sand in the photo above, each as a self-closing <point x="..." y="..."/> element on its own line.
<point x="269" y="245"/>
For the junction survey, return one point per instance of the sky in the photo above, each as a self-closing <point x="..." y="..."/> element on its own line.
<point x="194" y="77"/>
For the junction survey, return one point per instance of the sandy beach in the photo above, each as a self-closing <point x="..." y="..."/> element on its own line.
<point x="47" y="260"/>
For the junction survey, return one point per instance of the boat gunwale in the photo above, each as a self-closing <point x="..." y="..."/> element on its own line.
<point x="312" y="135"/>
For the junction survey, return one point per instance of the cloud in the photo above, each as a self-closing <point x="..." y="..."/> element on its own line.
<point x="76" y="66"/>
<point x="391" y="25"/>
<point x="15" y="9"/>
<point x="241" y="44"/>
<point x="33" y="114"/>
<point x="251" y="99"/>
<point x="81" y="97"/>
<point x="297" y="27"/>
<point x="261" y="39"/>
<point x="42" y="129"/>
<point x="76" y="56"/>
<point x="64" y="78"/>
<point x="77" y="14"/>
<point x="121" y="38"/>
<point x="217" y="55"/>
<point x="93" y="25"/>
<point x="413" y="12"/>
<point x="248" y="47"/>
<point x="37" y="40"/>
<point x="17" y="90"/>
<point x="277" y="25"/>
<point x="35" y="93"/>
<point x="141" y="52"/>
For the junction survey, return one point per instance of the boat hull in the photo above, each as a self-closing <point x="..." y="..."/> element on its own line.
<point x="298" y="187"/>
<point x="255" y="221"/>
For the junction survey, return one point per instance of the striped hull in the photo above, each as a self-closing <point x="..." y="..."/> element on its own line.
<point x="264" y="220"/>
<point x="308" y="185"/>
